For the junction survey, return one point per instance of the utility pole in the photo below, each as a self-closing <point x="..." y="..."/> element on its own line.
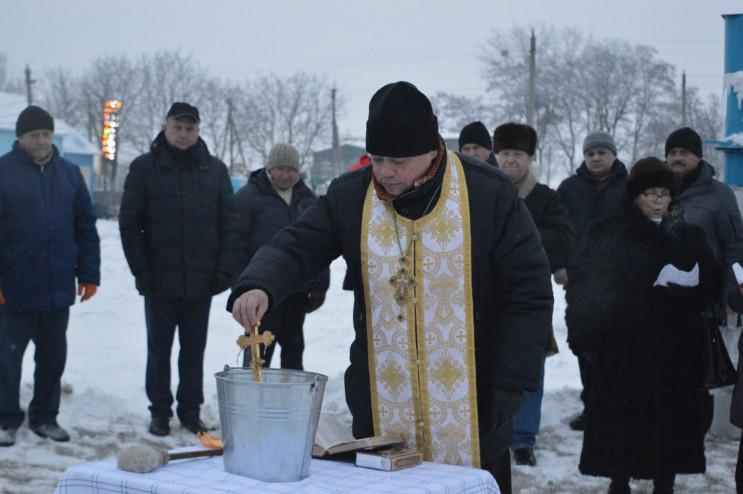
<point x="234" y="140"/>
<point x="336" y="141"/>
<point x="29" y="90"/>
<point x="683" y="98"/>
<point x="532" y="82"/>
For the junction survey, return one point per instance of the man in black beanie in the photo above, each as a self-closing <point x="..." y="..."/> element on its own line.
<point x="474" y="141"/>
<point x="711" y="205"/>
<point x="48" y="242"/>
<point x="708" y="203"/>
<point x="177" y="223"/>
<point x="422" y="231"/>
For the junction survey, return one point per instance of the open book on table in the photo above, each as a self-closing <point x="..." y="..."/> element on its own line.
<point x="333" y="438"/>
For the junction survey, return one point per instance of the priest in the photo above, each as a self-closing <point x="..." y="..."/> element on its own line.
<point x="452" y="288"/>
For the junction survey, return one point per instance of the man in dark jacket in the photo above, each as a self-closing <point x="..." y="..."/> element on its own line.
<point x="709" y="203"/>
<point x="178" y="233"/>
<point x="515" y="145"/>
<point x="474" y="141"/>
<point x="450" y="284"/>
<point x="592" y="194"/>
<point x="273" y="198"/>
<point x="47" y="239"/>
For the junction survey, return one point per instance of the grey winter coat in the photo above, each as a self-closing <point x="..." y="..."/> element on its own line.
<point x="711" y="205"/>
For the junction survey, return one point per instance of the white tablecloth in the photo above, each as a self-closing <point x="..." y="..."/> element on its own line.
<point x="207" y="475"/>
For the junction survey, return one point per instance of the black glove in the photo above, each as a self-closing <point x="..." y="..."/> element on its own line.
<point x="143" y="282"/>
<point x="220" y="282"/>
<point x="315" y="299"/>
<point x="678" y="291"/>
<point x="504" y="405"/>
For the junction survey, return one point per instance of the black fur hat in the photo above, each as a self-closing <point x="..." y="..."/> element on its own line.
<point x="401" y="122"/>
<point x="515" y="136"/>
<point x="648" y="173"/>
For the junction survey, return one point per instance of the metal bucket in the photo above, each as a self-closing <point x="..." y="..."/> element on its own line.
<point x="268" y="428"/>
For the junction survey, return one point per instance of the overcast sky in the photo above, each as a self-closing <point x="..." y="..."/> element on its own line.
<point x="358" y="45"/>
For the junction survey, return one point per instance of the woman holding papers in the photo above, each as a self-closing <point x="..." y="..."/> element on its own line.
<point x="640" y="282"/>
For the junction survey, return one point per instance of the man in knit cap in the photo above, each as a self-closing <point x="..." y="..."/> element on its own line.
<point x="708" y="203"/>
<point x="177" y="228"/>
<point x="48" y="240"/>
<point x="452" y="292"/>
<point x="515" y="145"/>
<point x="474" y="141"/>
<point x="711" y="205"/>
<point x="592" y="194"/>
<point x="273" y="198"/>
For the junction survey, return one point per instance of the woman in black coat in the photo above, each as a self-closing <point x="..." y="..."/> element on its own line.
<point x="642" y="335"/>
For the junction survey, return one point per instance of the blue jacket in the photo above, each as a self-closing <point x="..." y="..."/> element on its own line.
<point x="47" y="233"/>
<point x="262" y="213"/>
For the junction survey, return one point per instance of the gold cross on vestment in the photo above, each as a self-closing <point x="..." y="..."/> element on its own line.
<point x="254" y="340"/>
<point x="402" y="281"/>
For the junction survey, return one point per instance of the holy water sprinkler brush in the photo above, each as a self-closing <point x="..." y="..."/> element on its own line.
<point x="144" y="459"/>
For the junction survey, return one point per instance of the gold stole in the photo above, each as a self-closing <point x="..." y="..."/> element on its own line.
<point x="421" y="346"/>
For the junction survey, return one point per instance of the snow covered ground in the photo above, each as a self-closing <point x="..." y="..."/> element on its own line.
<point x="105" y="408"/>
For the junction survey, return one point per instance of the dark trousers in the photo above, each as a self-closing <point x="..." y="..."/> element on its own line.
<point x="501" y="470"/>
<point x="285" y="321"/>
<point x="191" y="316"/>
<point x="47" y="330"/>
<point x="739" y="470"/>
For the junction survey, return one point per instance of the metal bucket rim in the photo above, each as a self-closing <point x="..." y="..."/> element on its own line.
<point x="223" y="375"/>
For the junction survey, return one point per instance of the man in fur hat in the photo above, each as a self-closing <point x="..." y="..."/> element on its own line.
<point x="451" y="287"/>
<point x="514" y="145"/>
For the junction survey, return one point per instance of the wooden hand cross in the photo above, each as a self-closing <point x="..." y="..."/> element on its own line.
<point x="255" y="339"/>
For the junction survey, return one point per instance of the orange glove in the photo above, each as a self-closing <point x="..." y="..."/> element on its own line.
<point x="2" y="298"/>
<point x="89" y="290"/>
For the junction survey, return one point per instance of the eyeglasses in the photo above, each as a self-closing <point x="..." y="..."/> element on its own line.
<point x="654" y="196"/>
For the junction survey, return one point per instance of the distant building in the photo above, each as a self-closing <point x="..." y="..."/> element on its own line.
<point x="323" y="170"/>
<point x="71" y="144"/>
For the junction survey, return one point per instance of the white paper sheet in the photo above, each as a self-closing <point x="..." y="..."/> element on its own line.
<point x="672" y="274"/>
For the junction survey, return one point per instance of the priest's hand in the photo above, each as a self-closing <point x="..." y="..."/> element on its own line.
<point x="249" y="308"/>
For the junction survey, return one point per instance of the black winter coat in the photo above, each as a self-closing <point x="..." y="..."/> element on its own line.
<point x="262" y="213"/>
<point x="643" y="404"/>
<point x="553" y="222"/>
<point x="586" y="202"/>
<point x="510" y="275"/>
<point x="177" y="222"/>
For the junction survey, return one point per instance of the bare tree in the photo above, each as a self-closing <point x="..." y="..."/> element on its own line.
<point x="63" y="96"/>
<point x="8" y="83"/>
<point x="296" y="110"/>
<point x="455" y="111"/>
<point x="582" y="85"/>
